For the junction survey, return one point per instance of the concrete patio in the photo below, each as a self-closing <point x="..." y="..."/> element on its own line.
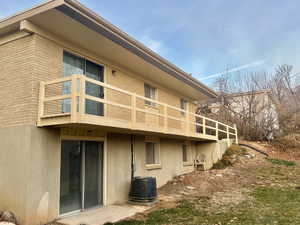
<point x="100" y="216"/>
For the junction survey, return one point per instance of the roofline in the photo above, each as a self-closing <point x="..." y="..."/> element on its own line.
<point x="266" y="91"/>
<point x="120" y="36"/>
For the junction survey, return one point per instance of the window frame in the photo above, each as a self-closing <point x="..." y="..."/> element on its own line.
<point x="183" y="106"/>
<point x="157" y="157"/>
<point x="188" y="161"/>
<point x="152" y="94"/>
<point x="87" y="61"/>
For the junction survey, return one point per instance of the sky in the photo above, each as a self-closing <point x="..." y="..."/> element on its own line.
<point x="204" y="38"/>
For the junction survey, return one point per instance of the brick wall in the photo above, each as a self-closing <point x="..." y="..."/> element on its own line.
<point x="27" y="61"/>
<point x="16" y="71"/>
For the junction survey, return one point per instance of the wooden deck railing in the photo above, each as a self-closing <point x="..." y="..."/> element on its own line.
<point x="65" y="98"/>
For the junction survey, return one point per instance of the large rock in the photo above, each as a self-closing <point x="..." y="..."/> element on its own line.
<point x="7" y="218"/>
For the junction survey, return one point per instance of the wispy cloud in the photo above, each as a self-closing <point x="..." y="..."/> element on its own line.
<point x="243" y="67"/>
<point x="154" y="45"/>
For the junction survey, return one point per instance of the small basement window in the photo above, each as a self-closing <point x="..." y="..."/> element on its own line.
<point x="185" y="155"/>
<point x="152" y="153"/>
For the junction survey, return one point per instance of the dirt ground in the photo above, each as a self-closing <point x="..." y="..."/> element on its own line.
<point x="229" y="186"/>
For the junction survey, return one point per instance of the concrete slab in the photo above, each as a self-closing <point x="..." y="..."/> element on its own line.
<point x="100" y="216"/>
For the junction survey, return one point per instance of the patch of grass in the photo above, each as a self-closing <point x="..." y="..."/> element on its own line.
<point x="268" y="206"/>
<point x="281" y="162"/>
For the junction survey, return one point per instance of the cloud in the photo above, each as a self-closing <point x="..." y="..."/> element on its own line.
<point x="243" y="67"/>
<point x="154" y="45"/>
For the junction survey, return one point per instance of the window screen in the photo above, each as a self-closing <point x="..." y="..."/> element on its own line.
<point x="150" y="92"/>
<point x="183" y="105"/>
<point x="184" y="153"/>
<point x="151" y="153"/>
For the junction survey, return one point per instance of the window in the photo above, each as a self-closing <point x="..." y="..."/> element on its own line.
<point x="185" y="153"/>
<point x="150" y="92"/>
<point x="152" y="153"/>
<point x="77" y="65"/>
<point x="183" y="106"/>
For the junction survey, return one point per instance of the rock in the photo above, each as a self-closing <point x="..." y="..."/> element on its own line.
<point x="8" y="217"/>
<point x="190" y="188"/>
<point x="248" y="156"/>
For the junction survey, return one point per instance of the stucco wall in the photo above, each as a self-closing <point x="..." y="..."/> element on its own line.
<point x="119" y="164"/>
<point x="212" y="151"/>
<point x="29" y="171"/>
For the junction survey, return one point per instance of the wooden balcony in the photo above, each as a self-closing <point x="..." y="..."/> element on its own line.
<point x="66" y="101"/>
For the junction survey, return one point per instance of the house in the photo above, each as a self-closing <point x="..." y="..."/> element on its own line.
<point x="84" y="107"/>
<point x="255" y="107"/>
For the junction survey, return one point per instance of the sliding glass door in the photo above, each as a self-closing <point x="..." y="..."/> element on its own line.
<point x="81" y="185"/>
<point x="77" y="65"/>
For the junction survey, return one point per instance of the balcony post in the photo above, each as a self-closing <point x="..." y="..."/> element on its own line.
<point x="236" y="134"/>
<point x="41" y="100"/>
<point x="204" y="128"/>
<point x="217" y="130"/>
<point x="74" y="99"/>
<point x="227" y="132"/>
<point x="82" y="96"/>
<point x="133" y="110"/>
<point x="165" y="118"/>
<point x="187" y="114"/>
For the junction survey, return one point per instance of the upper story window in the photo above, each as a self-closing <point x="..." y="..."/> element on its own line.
<point x="150" y="92"/>
<point x="73" y="64"/>
<point x="76" y="65"/>
<point x="183" y="106"/>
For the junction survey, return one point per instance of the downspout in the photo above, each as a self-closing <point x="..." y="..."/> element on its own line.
<point x="132" y="157"/>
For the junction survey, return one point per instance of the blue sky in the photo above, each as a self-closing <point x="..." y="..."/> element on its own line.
<point x="205" y="37"/>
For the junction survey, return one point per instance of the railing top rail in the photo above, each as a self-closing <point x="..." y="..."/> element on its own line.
<point x="77" y="76"/>
<point x="58" y="80"/>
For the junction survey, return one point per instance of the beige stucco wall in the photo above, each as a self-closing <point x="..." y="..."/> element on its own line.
<point x="212" y="151"/>
<point x="30" y="167"/>
<point x="119" y="164"/>
<point x="29" y="171"/>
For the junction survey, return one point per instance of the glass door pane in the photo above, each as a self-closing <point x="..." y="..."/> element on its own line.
<point x="70" y="177"/>
<point x="72" y="65"/>
<point x="95" y="72"/>
<point x="93" y="174"/>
